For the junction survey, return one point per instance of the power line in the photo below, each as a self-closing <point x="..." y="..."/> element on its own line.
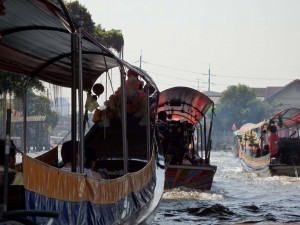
<point x="254" y="78"/>
<point x="171" y="76"/>
<point x="218" y="75"/>
<point x="183" y="70"/>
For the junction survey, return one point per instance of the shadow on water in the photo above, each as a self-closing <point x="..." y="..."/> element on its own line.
<point x="214" y="210"/>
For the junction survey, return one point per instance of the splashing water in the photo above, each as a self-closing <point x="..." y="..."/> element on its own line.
<point x="236" y="197"/>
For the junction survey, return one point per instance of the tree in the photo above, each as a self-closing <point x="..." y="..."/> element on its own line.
<point x="111" y="39"/>
<point x="238" y="105"/>
<point x="38" y="105"/>
<point x="79" y="13"/>
<point x="14" y="83"/>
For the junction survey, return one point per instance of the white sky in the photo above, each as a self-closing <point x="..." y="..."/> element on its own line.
<point x="253" y="42"/>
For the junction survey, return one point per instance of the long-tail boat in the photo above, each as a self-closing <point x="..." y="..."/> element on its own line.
<point x="260" y="153"/>
<point x="287" y="160"/>
<point x="186" y="126"/>
<point x="38" y="39"/>
<point x="248" y="137"/>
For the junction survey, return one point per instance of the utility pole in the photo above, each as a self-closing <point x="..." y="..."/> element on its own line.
<point x="198" y="85"/>
<point x="209" y="79"/>
<point x="141" y="60"/>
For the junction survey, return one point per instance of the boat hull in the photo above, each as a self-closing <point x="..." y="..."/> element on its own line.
<point x="190" y="176"/>
<point x="263" y="167"/>
<point x="284" y="170"/>
<point x="83" y="200"/>
<point x="258" y="165"/>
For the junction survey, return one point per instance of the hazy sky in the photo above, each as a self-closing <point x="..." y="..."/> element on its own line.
<point x="253" y="42"/>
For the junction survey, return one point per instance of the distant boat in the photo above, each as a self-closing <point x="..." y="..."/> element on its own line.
<point x="36" y="42"/>
<point x="188" y="126"/>
<point x="287" y="160"/>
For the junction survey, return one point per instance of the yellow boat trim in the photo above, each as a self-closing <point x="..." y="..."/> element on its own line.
<point x="54" y="183"/>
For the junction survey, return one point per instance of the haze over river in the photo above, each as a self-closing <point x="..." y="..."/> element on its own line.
<point x="236" y="197"/>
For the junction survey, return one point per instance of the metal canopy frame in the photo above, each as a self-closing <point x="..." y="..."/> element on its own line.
<point x="39" y="40"/>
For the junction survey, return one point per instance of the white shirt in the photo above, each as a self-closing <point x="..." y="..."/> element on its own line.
<point x="86" y="171"/>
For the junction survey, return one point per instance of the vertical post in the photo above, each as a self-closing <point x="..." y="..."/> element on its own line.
<point x="209" y="143"/>
<point x="24" y="142"/>
<point x="209" y="79"/>
<point x="73" y="99"/>
<point x="124" y="122"/>
<point x="3" y="116"/>
<point x="6" y="156"/>
<point x="205" y="139"/>
<point x="141" y="60"/>
<point x="198" y="137"/>
<point x="148" y="123"/>
<point x="201" y="139"/>
<point x="80" y="95"/>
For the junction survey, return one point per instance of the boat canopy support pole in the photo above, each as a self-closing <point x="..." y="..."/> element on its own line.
<point x="148" y="123"/>
<point x="25" y="117"/>
<point x="124" y="122"/>
<point x="6" y="156"/>
<point x="201" y="139"/>
<point x="209" y="144"/>
<point x="73" y="98"/>
<point x="205" y="139"/>
<point x="80" y="95"/>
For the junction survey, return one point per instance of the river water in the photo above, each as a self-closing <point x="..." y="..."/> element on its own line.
<point x="236" y="197"/>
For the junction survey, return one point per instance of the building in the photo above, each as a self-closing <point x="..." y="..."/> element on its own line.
<point x="287" y="95"/>
<point x="61" y="105"/>
<point x="37" y="132"/>
<point x="214" y="96"/>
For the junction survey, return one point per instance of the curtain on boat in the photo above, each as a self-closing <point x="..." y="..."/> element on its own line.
<point x="83" y="200"/>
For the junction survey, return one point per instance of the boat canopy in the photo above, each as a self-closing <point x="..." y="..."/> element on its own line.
<point x="35" y="40"/>
<point x="184" y="102"/>
<point x="287" y="118"/>
<point x="249" y="126"/>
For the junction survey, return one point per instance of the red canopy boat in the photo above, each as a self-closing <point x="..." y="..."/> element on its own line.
<point x="286" y="161"/>
<point x="186" y="137"/>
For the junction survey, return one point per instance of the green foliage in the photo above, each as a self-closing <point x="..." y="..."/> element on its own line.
<point x="38" y="105"/>
<point x="79" y="13"/>
<point x="13" y="83"/>
<point x="272" y="108"/>
<point x="238" y="105"/>
<point x="111" y="39"/>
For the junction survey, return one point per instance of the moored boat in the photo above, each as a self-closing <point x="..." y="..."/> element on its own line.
<point x="184" y="129"/>
<point x="38" y="39"/>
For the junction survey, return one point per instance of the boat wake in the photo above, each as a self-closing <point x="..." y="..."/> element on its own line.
<point x="183" y="193"/>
